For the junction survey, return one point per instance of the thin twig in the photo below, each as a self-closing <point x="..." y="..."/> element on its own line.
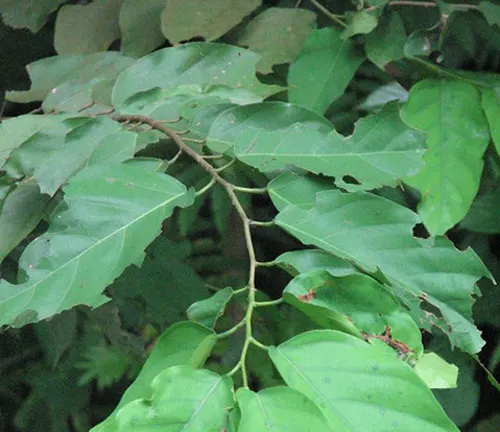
<point x="262" y="223"/>
<point x="175" y="158"/>
<point x="335" y="18"/>
<point x="250" y="190"/>
<point x="269" y="303"/>
<point x="205" y="188"/>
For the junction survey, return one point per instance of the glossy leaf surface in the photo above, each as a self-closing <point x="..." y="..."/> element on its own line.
<point x="343" y="375"/>
<point x="183" y="399"/>
<point x="270" y="136"/>
<point x="122" y="207"/>
<point x="279" y="408"/>
<point x="323" y="69"/>
<point x="451" y="114"/>
<point x="375" y="233"/>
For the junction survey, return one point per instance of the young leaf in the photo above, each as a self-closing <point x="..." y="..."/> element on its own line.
<point x="451" y="113"/>
<point x="342" y="375"/>
<point x="184" y="343"/>
<point x="270" y="136"/>
<point x="26" y="14"/>
<point x="208" y="311"/>
<point x="279" y="408"/>
<point x="194" y="63"/>
<point x="323" y="69"/>
<point x="277" y="34"/>
<point x="183" y="399"/>
<point x="49" y="73"/>
<point x="87" y="28"/>
<point x="329" y="300"/>
<point x="361" y="22"/>
<point x="185" y="19"/>
<point x="112" y="213"/>
<point x="376" y="234"/>
<point x="436" y="372"/>
<point x="140" y="26"/>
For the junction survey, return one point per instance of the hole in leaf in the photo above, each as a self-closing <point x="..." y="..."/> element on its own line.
<point x="350" y="180"/>
<point x="420" y="231"/>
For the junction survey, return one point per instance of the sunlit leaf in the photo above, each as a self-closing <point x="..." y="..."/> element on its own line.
<point x="277" y="34"/>
<point x="342" y="375"/>
<point x="303" y="261"/>
<point x="87" y="28"/>
<point x="184" y="343"/>
<point x="185" y="19"/>
<point x="183" y="399"/>
<point x="436" y="372"/>
<point x="323" y="69"/>
<point x="376" y="234"/>
<point x="279" y="408"/>
<point x="270" y="136"/>
<point x="451" y="113"/>
<point x="111" y="213"/>
<point x="140" y="25"/>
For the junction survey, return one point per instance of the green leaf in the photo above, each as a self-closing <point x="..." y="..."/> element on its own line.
<point x="451" y="114"/>
<point x="491" y="12"/>
<point x="376" y="235"/>
<point x="342" y="375"/>
<point x="16" y="131"/>
<point x="384" y="94"/>
<point x="87" y="28"/>
<point x="279" y="408"/>
<point x="194" y="63"/>
<point x="20" y="213"/>
<point x="436" y="372"/>
<point x="323" y="69"/>
<point x="270" y="136"/>
<point x="185" y="19"/>
<point x="386" y="43"/>
<point x="291" y="188"/>
<point x="184" y="343"/>
<point x="32" y="15"/>
<point x="140" y="26"/>
<point x="361" y="22"/>
<point x="303" y="261"/>
<point x="111" y="213"/>
<point x="183" y="399"/>
<point x="208" y="311"/>
<point x="356" y="299"/>
<point x="483" y="214"/>
<point x="49" y="73"/>
<point x="490" y="98"/>
<point x="277" y="34"/>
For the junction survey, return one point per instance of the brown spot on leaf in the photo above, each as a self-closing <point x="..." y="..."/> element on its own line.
<point x="306" y="298"/>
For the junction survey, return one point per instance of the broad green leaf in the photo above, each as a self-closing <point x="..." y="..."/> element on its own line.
<point x="140" y="25"/>
<point x="111" y="213"/>
<point x="361" y="22"/>
<point x="49" y="73"/>
<point x="345" y="376"/>
<point x="384" y="94"/>
<point x="56" y="335"/>
<point x="184" y="343"/>
<point x="386" y="43"/>
<point x="279" y="409"/>
<point x="19" y="214"/>
<point x="355" y="299"/>
<point x="185" y="19"/>
<point x="490" y="98"/>
<point x="15" y="131"/>
<point x="323" y="69"/>
<point x="208" y="311"/>
<point x="277" y="34"/>
<point x="303" y="261"/>
<point x="491" y="12"/>
<point x="25" y="14"/>
<point x="191" y="64"/>
<point x="451" y="114"/>
<point x="436" y="372"/>
<point x="164" y="284"/>
<point x="291" y="188"/>
<point x="183" y="399"/>
<point x="87" y="28"/>
<point x="483" y="215"/>
<point x="376" y="235"/>
<point x="272" y="135"/>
